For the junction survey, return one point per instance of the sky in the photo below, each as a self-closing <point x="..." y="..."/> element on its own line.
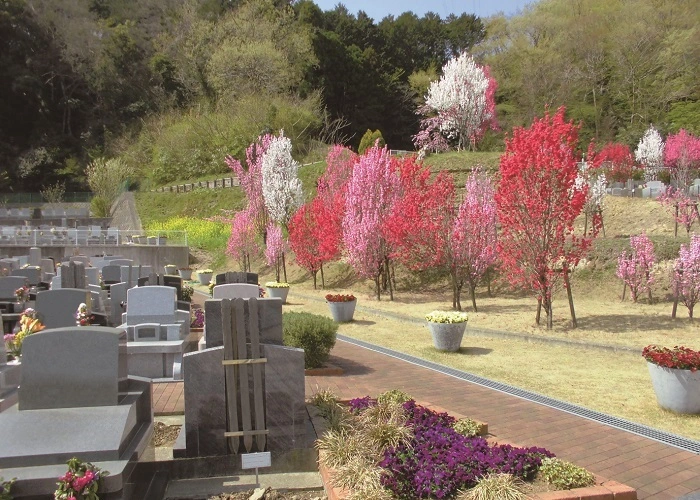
<point x="378" y="9"/>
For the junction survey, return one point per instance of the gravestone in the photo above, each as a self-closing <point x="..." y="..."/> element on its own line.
<point x="75" y="400"/>
<point x="117" y="302"/>
<point x="236" y="277"/>
<point x="236" y="291"/>
<point x="35" y="256"/>
<point x="9" y="379"/>
<point x="111" y="274"/>
<point x="8" y="285"/>
<point x="73" y="275"/>
<point x="48" y="269"/>
<point x="269" y="320"/>
<point x="56" y="308"/>
<point x="33" y="274"/>
<point x="205" y="389"/>
<point x="92" y="276"/>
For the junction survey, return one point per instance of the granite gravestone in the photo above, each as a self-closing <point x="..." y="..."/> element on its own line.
<point x="56" y="308"/>
<point x="236" y="291"/>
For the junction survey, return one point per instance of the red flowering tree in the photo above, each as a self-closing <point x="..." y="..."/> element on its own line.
<point x="538" y="201"/>
<point x="473" y="236"/>
<point x="315" y="236"/>
<point x="686" y="275"/>
<point x="418" y="227"/>
<point x="617" y="162"/>
<point x="371" y="192"/>
<point x="634" y="267"/>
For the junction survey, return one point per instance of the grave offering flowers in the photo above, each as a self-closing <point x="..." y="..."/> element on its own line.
<point x="82" y="480"/>
<point x="197" y="318"/>
<point x="446" y="317"/>
<point x="28" y="324"/>
<point x="679" y="357"/>
<point x="83" y="316"/>
<point x="340" y="297"/>
<point x="211" y="288"/>
<point x="22" y="294"/>
<point x="276" y="284"/>
<point x="261" y="292"/>
<point x="187" y="292"/>
<point x="205" y="271"/>
<point x="5" y="488"/>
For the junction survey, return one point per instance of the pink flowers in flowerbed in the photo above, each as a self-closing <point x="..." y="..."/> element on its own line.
<point x="680" y="357"/>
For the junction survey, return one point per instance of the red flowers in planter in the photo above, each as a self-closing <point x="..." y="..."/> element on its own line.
<point x="339" y="297"/>
<point x="679" y="357"/>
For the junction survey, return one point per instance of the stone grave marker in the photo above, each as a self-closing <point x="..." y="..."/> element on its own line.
<point x="111" y="274"/>
<point x="236" y="291"/>
<point x="56" y="308"/>
<point x="8" y="285"/>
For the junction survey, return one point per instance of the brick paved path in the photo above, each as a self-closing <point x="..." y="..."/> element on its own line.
<point x="656" y="470"/>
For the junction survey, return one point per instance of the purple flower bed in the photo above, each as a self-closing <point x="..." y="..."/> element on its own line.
<point x="357" y="405"/>
<point x="438" y="460"/>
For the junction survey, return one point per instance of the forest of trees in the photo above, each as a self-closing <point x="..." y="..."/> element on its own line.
<point x="173" y="86"/>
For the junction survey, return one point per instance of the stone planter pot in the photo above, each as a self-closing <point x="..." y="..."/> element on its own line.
<point x="204" y="278"/>
<point x="185" y="274"/>
<point x="162" y="240"/>
<point x="447" y="336"/>
<point x="170" y="269"/>
<point x="342" y="311"/>
<point x="676" y="390"/>
<point x="278" y="293"/>
<point x="140" y="240"/>
<point x="152" y="240"/>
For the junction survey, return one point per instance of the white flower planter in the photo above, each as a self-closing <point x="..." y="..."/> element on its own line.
<point x="278" y="293"/>
<point x="204" y="278"/>
<point x="676" y="390"/>
<point x="447" y="336"/>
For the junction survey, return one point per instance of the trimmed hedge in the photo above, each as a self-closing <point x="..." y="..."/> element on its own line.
<point x="311" y="332"/>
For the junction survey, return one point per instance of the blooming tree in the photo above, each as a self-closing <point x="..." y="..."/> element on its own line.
<point x="686" y="274"/>
<point x="315" y="236"/>
<point x="372" y="189"/>
<point x="538" y="201"/>
<point x="634" y="267"/>
<point x="617" y="162"/>
<point x="681" y="154"/>
<point x="463" y="99"/>
<point x="242" y="243"/>
<point x="683" y="209"/>
<point x="650" y="153"/>
<point x="473" y="237"/>
<point x="597" y="182"/>
<point x="274" y="247"/>
<point x="281" y="187"/>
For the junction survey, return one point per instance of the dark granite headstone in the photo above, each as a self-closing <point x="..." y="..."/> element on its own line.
<point x="236" y="277"/>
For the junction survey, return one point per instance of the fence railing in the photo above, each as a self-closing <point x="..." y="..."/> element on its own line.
<point x="34" y="198"/>
<point x="63" y="236"/>
<point x="224" y="182"/>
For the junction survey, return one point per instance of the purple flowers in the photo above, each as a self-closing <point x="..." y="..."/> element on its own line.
<point x="357" y="405"/>
<point x="438" y="460"/>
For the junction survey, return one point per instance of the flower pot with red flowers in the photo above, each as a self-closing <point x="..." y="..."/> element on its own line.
<point x="342" y="306"/>
<point x="675" y="377"/>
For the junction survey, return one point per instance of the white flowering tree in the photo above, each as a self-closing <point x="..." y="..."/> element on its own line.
<point x="463" y="98"/>
<point x="593" y="209"/>
<point x="281" y="187"/>
<point x="650" y="153"/>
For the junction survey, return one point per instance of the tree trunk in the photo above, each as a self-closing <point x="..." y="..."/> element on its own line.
<point x="472" y="290"/>
<point x="488" y="281"/>
<point x="454" y="289"/>
<point x="377" y="283"/>
<point x="539" y="311"/>
<point x="323" y="281"/>
<point x="549" y="315"/>
<point x="284" y="267"/>
<point x="567" y="284"/>
<point x="624" y="289"/>
<point x="388" y="272"/>
<point x="314" y="275"/>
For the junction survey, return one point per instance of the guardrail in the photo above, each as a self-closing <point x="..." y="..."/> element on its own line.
<point x="224" y="182"/>
<point x="60" y="236"/>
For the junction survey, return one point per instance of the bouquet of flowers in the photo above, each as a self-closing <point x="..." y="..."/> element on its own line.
<point x="22" y="294"/>
<point x="83" y="316"/>
<point x="28" y="324"/>
<point x="81" y="481"/>
<point x="5" y="487"/>
<point x="197" y="318"/>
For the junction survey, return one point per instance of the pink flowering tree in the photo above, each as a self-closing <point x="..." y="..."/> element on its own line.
<point x="686" y="275"/>
<point x="274" y="248"/>
<point x="463" y="101"/>
<point x="473" y="238"/>
<point x="242" y="243"/>
<point x="371" y="192"/>
<point x="683" y="209"/>
<point x="681" y="155"/>
<point x="634" y="267"/>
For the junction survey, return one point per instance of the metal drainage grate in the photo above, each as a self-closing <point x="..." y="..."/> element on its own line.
<point x="618" y="423"/>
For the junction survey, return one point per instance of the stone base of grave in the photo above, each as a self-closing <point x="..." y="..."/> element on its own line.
<point x="36" y="445"/>
<point x="9" y="381"/>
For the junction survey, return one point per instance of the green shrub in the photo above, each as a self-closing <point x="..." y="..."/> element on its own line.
<point x="495" y="487"/>
<point x="564" y="475"/>
<point x="100" y="207"/>
<point x="311" y="332"/>
<point x="393" y="396"/>
<point x="369" y="139"/>
<point x="467" y="427"/>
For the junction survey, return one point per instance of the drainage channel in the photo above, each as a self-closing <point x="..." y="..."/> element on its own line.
<point x="663" y="437"/>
